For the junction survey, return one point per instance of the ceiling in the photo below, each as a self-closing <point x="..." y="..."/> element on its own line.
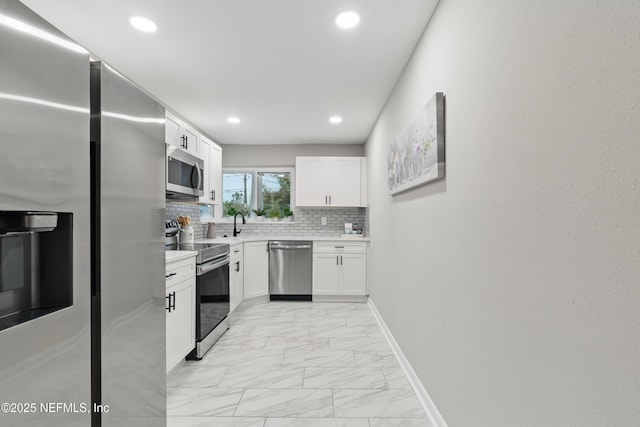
<point x="282" y="66"/>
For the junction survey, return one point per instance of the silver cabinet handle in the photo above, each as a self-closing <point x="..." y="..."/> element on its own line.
<point x="325" y="200"/>
<point x="339" y="247"/>
<point x="172" y="305"/>
<point x="329" y="199"/>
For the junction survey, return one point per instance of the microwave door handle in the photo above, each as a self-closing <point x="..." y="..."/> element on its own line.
<point x="197" y="168"/>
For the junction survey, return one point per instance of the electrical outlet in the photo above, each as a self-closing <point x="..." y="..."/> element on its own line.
<point x="324" y="220"/>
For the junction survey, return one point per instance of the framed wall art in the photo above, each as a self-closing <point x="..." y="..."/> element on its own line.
<point x="416" y="156"/>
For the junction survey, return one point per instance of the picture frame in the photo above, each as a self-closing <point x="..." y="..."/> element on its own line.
<point x="417" y="155"/>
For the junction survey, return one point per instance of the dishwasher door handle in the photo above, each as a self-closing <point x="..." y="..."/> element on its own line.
<point x="291" y="247"/>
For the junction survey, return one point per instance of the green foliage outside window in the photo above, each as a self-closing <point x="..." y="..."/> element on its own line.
<point x="235" y="205"/>
<point x="262" y="194"/>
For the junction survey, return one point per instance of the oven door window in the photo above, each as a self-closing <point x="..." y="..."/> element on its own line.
<point x="213" y="300"/>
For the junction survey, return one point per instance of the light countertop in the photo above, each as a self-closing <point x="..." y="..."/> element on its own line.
<point x="242" y="239"/>
<point x="171" y="256"/>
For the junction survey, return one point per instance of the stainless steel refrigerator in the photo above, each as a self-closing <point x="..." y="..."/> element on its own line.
<point x="82" y="319"/>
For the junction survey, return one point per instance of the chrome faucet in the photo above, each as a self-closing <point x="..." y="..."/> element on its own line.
<point x="235" y="217"/>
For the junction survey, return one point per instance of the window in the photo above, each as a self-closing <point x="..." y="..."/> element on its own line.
<point x="257" y="193"/>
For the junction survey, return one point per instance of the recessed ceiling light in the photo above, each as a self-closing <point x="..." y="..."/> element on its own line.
<point x="347" y="19"/>
<point x="143" y="24"/>
<point x="335" y="120"/>
<point x="233" y="120"/>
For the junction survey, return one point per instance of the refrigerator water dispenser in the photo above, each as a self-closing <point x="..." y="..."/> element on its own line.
<point x="35" y="265"/>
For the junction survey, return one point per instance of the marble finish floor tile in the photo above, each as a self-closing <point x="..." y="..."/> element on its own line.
<point x="238" y="342"/>
<point x="286" y="403"/>
<point x="400" y="422"/>
<point x="217" y="357"/>
<point x="317" y="422"/>
<point x="396" y="378"/>
<point x="338" y="331"/>
<point x="377" y="403"/>
<point x="361" y="321"/>
<point x="259" y="377"/>
<point x="197" y="376"/>
<point x="239" y="330"/>
<point x="318" y="358"/>
<point x="359" y="343"/>
<point x="296" y="364"/>
<point x="215" y="422"/>
<point x="275" y="330"/>
<point x="344" y="378"/>
<point x="376" y="359"/>
<point x="202" y="401"/>
<point x="292" y="343"/>
<point x="321" y="321"/>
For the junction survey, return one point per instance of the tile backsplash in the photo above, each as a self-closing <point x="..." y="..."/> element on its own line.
<point x="306" y="221"/>
<point x="176" y="209"/>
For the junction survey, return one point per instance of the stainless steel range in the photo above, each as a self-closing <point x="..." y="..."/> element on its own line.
<point x="212" y="289"/>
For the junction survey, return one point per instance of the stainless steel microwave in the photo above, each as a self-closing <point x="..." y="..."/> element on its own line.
<point x="185" y="174"/>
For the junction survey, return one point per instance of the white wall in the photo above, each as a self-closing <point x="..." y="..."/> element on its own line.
<point x="282" y="155"/>
<point x="513" y="286"/>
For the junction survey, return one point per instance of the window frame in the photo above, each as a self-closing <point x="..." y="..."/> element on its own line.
<point x="255" y="170"/>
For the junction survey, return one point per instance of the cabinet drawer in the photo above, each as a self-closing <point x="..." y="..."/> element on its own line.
<point x="237" y="251"/>
<point x="340" y="247"/>
<point x="178" y="271"/>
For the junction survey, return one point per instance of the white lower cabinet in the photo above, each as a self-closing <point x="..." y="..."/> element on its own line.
<point x="236" y="276"/>
<point x="340" y="269"/>
<point x="354" y="274"/>
<point x="180" y="306"/>
<point x="326" y="274"/>
<point x="256" y="269"/>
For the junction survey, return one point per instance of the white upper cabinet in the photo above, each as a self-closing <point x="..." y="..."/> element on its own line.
<point x="180" y="134"/>
<point x="215" y="182"/>
<point x="211" y="153"/>
<point x="312" y="185"/>
<point x="344" y="181"/>
<point x="331" y="181"/>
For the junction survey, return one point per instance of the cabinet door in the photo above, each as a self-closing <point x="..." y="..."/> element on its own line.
<point x="190" y="141"/>
<point x="326" y="274"/>
<point x="354" y="274"/>
<point x="236" y="288"/>
<point x="181" y="327"/>
<point x="344" y="177"/>
<point x="312" y="182"/>
<point x="205" y="149"/>
<point x="172" y="130"/>
<point x="215" y="176"/>
<point x="256" y="269"/>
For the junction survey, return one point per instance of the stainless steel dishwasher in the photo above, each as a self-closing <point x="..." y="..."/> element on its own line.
<point x="290" y="270"/>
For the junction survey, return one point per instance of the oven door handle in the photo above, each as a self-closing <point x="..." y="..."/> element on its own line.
<point x="205" y="268"/>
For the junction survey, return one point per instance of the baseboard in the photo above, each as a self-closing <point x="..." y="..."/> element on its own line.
<point x="425" y="400"/>
<point x="339" y="298"/>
